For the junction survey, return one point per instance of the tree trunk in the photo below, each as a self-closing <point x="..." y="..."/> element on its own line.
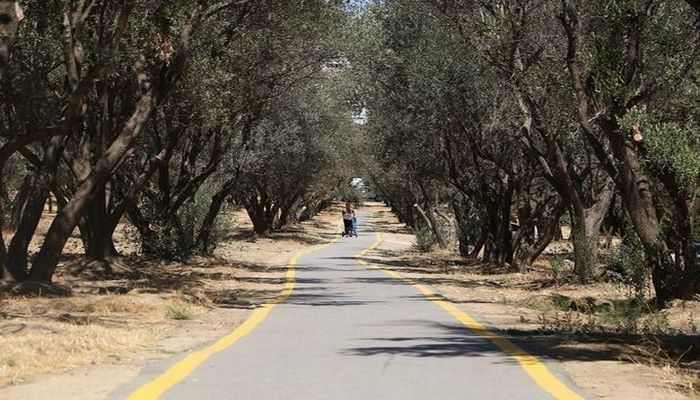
<point x="525" y="252"/>
<point x="499" y="241"/>
<point x="67" y="219"/>
<point x="436" y="228"/>
<point x="203" y="242"/>
<point x="262" y="214"/>
<point x="585" y="231"/>
<point x="31" y="215"/>
<point x="431" y="223"/>
<point x="464" y="227"/>
<point x="286" y="210"/>
<point x="20" y="200"/>
<point x="634" y="186"/>
<point x="479" y="245"/>
<point x="99" y="229"/>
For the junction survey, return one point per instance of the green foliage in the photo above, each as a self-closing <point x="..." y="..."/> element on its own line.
<point x="424" y="240"/>
<point x="549" y="304"/>
<point x="671" y="145"/>
<point x="626" y="311"/>
<point x="627" y="265"/>
<point x="559" y="270"/>
<point x="179" y="311"/>
<point x="467" y="100"/>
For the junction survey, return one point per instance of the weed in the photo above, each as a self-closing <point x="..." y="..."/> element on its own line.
<point x="654" y="352"/>
<point x="635" y="316"/>
<point x="625" y="310"/>
<point x="627" y="265"/>
<point x="559" y="269"/>
<point x="10" y="361"/>
<point x="549" y="304"/>
<point x="179" y="311"/>
<point x="424" y="240"/>
<point x="569" y="323"/>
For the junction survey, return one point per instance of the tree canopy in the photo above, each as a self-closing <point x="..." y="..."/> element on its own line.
<point x="482" y="116"/>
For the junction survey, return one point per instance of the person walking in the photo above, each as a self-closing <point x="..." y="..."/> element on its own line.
<point x="348" y="218"/>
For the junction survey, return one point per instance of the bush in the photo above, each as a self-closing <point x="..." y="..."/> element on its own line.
<point x="560" y="270"/>
<point x="174" y="238"/>
<point x="425" y="240"/>
<point x="627" y="264"/>
<point x="635" y="316"/>
<point x="179" y="311"/>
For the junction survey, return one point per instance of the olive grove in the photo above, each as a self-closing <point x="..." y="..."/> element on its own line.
<point x="482" y="117"/>
<point x="160" y="113"/>
<point x="531" y="111"/>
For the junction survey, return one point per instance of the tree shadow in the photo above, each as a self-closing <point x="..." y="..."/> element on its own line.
<point x="297" y="235"/>
<point x="452" y="340"/>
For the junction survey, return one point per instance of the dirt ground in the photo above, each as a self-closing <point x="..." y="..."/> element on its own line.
<point x="605" y="357"/>
<point x="86" y="346"/>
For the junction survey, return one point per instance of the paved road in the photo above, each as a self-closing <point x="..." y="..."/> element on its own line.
<point x="348" y="332"/>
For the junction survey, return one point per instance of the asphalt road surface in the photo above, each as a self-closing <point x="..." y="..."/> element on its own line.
<point x="348" y="332"/>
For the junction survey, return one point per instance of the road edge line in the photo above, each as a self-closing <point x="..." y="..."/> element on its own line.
<point x="156" y="387"/>
<point x="533" y="366"/>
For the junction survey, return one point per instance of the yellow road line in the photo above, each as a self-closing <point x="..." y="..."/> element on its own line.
<point x="537" y="370"/>
<point x="183" y="368"/>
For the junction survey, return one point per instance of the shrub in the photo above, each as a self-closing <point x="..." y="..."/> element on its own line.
<point x="627" y="264"/>
<point x="635" y="316"/>
<point x="174" y="238"/>
<point x="560" y="270"/>
<point x="179" y="311"/>
<point x="425" y="240"/>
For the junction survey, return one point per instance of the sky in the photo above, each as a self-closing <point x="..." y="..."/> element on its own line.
<point x="358" y="5"/>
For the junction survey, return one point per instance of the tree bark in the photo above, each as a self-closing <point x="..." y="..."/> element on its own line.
<point x="431" y="223"/>
<point x="20" y="200"/>
<point x="586" y="227"/>
<point x="67" y="219"/>
<point x="526" y="252"/>
<point x="203" y="242"/>
<point x="19" y="246"/>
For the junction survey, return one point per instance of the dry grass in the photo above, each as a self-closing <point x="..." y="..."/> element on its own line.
<point x="64" y="346"/>
<point x="31" y="348"/>
<point x="43" y="335"/>
<point x="671" y="369"/>
<point x="92" y="304"/>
